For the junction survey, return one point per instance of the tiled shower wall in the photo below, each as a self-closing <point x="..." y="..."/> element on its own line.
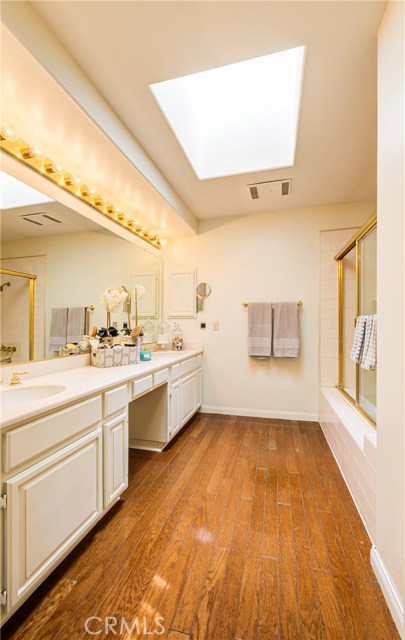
<point x="351" y="439"/>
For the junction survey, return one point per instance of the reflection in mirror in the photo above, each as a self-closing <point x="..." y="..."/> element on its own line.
<point x="74" y="260"/>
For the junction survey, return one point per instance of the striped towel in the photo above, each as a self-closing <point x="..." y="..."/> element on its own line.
<point x="260" y="329"/>
<point x="286" y="342"/>
<point x="369" y="355"/>
<point x="358" y="340"/>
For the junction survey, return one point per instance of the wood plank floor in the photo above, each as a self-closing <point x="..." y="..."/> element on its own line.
<point x="241" y="529"/>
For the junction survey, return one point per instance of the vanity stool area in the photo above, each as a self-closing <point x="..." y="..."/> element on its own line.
<point x="65" y="454"/>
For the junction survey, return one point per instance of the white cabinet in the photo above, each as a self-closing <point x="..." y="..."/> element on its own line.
<point x="181" y="294"/>
<point x="174" y="414"/>
<point x="115" y="438"/>
<point x="115" y="443"/>
<point x="187" y="398"/>
<point x="185" y="392"/>
<point x="198" y="388"/>
<point x="50" y="506"/>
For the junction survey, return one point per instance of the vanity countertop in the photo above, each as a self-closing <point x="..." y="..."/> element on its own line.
<point x="81" y="383"/>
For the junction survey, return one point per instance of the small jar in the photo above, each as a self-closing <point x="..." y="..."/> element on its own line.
<point x="177" y="337"/>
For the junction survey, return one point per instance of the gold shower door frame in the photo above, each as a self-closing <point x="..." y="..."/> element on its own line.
<point x="354" y="242"/>
<point x="31" y="277"/>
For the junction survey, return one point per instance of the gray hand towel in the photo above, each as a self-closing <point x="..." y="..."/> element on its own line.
<point x="286" y="343"/>
<point x="75" y="324"/>
<point x="58" y="330"/>
<point x="259" y="323"/>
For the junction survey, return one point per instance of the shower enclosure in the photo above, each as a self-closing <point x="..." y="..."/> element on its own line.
<point x="357" y="269"/>
<point x="17" y="295"/>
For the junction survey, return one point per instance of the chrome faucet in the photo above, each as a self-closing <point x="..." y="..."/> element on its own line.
<point x="16" y="377"/>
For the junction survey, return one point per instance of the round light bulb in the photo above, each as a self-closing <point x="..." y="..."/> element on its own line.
<point x="53" y="167"/>
<point x="7" y="132"/>
<point x="31" y="152"/>
<point x="163" y="242"/>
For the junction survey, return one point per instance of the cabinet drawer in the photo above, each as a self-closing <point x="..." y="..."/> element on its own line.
<point x="188" y="365"/>
<point x="199" y="361"/>
<point x="115" y="400"/>
<point x="175" y="372"/>
<point x="32" y="439"/>
<point x="161" y="376"/>
<point x="142" y="385"/>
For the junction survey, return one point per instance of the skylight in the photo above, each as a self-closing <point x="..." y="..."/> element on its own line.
<point x="239" y="118"/>
<point x="14" y="193"/>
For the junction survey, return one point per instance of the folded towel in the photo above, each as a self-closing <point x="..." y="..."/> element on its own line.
<point x="58" y="330"/>
<point x="259" y="323"/>
<point x="75" y="324"/>
<point x="286" y="343"/>
<point x="369" y="355"/>
<point x="356" y="353"/>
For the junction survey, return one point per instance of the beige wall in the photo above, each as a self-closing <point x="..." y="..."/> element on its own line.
<point x="390" y="540"/>
<point x="265" y="257"/>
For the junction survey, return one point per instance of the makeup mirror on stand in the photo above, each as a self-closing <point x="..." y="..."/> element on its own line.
<point x="203" y="291"/>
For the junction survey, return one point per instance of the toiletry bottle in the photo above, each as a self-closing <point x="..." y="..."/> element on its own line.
<point x="163" y="338"/>
<point x="148" y="331"/>
<point x="177" y="339"/>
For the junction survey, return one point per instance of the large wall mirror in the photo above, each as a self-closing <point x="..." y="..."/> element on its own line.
<point x="71" y="260"/>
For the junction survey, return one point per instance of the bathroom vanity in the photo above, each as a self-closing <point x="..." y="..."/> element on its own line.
<point x="65" y="439"/>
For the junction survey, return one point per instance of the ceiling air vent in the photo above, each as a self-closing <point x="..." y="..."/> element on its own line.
<point x="271" y="189"/>
<point x="40" y="219"/>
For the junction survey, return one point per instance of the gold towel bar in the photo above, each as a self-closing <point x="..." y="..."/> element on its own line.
<point x="299" y="304"/>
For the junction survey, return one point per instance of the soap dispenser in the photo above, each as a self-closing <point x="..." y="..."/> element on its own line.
<point x="177" y="337"/>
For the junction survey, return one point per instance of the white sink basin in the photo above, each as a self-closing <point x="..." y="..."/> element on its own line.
<point x="13" y="397"/>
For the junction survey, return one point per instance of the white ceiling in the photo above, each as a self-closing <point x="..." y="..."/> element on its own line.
<point x="124" y="47"/>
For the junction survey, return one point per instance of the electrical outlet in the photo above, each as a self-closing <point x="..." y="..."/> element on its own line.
<point x="215" y="325"/>
<point x="203" y="325"/>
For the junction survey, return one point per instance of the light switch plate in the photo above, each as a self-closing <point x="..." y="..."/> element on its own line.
<point x="215" y="325"/>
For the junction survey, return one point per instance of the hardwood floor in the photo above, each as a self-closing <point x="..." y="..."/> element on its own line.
<point x="242" y="529"/>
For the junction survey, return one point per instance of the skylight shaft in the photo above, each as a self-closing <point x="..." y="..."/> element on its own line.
<point x="239" y="118"/>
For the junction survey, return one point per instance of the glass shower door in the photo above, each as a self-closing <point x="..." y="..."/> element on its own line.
<point x="348" y="322"/>
<point x="367" y="385"/>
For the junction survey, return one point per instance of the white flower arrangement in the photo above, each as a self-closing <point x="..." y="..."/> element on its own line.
<point x="113" y="298"/>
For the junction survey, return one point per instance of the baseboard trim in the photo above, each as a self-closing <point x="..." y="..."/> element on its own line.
<point x="391" y="595"/>
<point x="260" y="413"/>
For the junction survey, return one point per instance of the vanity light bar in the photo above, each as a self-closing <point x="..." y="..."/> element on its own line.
<point x="33" y="157"/>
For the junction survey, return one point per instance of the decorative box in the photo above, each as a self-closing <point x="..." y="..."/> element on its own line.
<point x="116" y="356"/>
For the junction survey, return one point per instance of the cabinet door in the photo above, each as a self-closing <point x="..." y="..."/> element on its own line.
<point x="187" y="398"/>
<point x="115" y="457"/>
<point x="174" y="423"/>
<point x="198" y="390"/>
<point x="181" y="295"/>
<point x="50" y="506"/>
